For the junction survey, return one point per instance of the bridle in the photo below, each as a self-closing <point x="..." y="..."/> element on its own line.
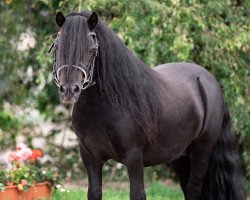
<point x="87" y="71"/>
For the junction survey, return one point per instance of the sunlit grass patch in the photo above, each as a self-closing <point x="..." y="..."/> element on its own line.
<point x="155" y="191"/>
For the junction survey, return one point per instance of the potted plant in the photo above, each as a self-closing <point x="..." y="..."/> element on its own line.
<point x="25" y="179"/>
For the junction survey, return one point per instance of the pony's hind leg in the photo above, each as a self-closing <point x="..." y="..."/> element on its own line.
<point x="181" y="167"/>
<point x="199" y="154"/>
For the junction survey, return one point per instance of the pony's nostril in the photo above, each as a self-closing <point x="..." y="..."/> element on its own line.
<point x="62" y="89"/>
<point x="75" y="89"/>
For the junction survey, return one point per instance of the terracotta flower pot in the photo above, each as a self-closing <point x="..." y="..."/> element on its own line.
<point x="35" y="192"/>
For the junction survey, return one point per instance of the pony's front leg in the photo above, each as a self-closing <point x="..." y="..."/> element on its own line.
<point x="134" y="164"/>
<point x="94" y="170"/>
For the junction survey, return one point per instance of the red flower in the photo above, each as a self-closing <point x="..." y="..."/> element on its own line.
<point x="36" y="153"/>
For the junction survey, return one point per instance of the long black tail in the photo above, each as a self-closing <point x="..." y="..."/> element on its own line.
<point x="223" y="179"/>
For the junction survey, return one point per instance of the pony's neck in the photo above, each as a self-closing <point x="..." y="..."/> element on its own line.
<point x="118" y="66"/>
<point x="124" y="83"/>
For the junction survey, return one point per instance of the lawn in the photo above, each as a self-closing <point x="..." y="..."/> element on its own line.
<point x="156" y="191"/>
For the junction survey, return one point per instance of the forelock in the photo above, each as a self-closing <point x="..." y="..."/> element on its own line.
<point x="73" y="40"/>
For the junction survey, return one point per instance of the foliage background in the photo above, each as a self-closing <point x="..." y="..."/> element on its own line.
<point x="214" y="34"/>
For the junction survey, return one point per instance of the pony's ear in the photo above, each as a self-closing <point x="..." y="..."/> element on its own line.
<point x="60" y="19"/>
<point x="92" y="21"/>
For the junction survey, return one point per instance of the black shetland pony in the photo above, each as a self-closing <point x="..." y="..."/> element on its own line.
<point x="138" y="116"/>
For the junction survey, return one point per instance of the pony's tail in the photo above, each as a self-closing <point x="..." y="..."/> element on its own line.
<point x="223" y="179"/>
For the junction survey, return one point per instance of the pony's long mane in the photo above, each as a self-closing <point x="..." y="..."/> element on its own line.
<point x="127" y="82"/>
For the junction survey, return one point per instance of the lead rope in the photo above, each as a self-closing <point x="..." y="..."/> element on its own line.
<point x="54" y="73"/>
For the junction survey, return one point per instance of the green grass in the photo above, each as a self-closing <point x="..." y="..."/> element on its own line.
<point x="156" y="191"/>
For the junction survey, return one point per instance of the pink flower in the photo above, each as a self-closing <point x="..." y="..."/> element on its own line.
<point x="10" y="183"/>
<point x="24" y="182"/>
<point x="21" y="154"/>
<point x="12" y="157"/>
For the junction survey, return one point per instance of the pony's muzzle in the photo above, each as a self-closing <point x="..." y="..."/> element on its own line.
<point x="69" y="93"/>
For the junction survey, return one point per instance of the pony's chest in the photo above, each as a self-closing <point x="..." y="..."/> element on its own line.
<point x="99" y="138"/>
<point x="106" y="145"/>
